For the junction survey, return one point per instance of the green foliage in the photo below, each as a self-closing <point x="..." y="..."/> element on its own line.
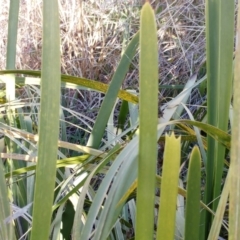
<point x="107" y="186"/>
<point x="111" y="95"/>
<point x="220" y="39"/>
<point x="49" y="123"/>
<point x="147" y="124"/>
<point x="168" y="198"/>
<point x="193" y="196"/>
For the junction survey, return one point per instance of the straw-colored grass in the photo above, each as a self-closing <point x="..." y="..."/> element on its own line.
<point x="94" y="34"/>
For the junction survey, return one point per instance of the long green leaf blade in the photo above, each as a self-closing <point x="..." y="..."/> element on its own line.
<point x="148" y="124"/>
<point x="193" y="196"/>
<point x="7" y="229"/>
<point x="219" y="32"/>
<point x="12" y="48"/>
<point x="49" y="123"/>
<point x="12" y="34"/>
<point x="220" y="36"/>
<point x="169" y="189"/>
<point x="111" y="95"/>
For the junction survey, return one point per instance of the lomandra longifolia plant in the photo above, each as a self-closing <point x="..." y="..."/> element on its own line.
<point x="133" y="197"/>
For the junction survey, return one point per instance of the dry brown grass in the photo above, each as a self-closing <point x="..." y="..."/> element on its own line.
<point x="94" y="33"/>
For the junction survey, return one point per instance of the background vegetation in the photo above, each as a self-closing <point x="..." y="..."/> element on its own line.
<point x="144" y="147"/>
